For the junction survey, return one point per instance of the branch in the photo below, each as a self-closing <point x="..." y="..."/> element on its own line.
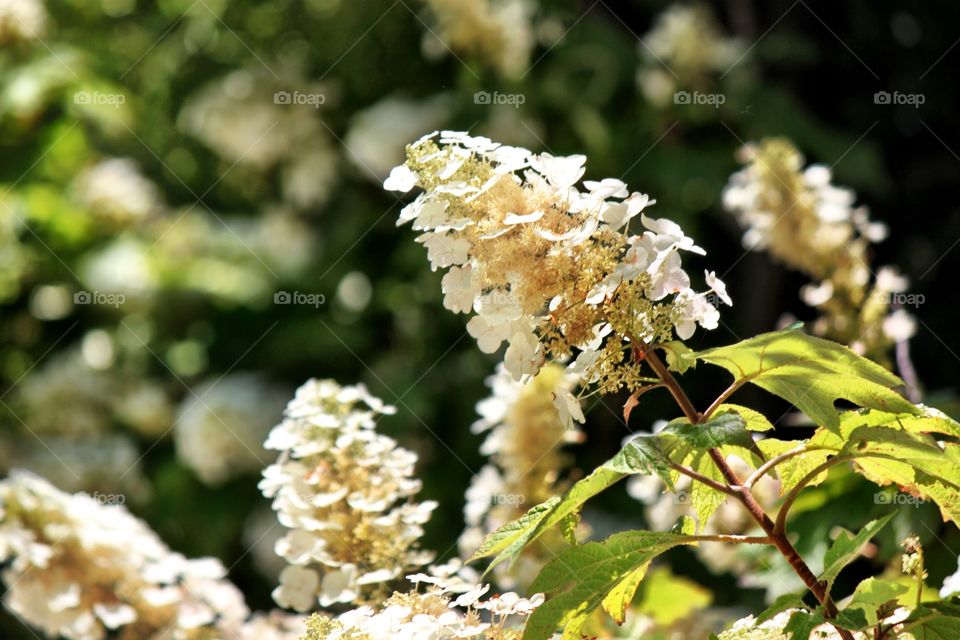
<point x="729" y="391"/>
<point x="766" y="467"/>
<point x="792" y="495"/>
<point x="699" y="477"/>
<point x="777" y="537"/>
<point x="734" y="539"/>
<point x="670" y="383"/>
<point x="824" y="466"/>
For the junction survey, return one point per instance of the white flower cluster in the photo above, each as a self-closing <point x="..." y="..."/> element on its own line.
<point x="254" y="122"/>
<point x="222" y="423"/>
<point x="79" y="463"/>
<point x="378" y="134"/>
<point x="82" y="570"/>
<point x="682" y="50"/>
<point x="539" y="260"/>
<point x="778" y="628"/>
<point x="83" y="389"/>
<point x="231" y="258"/>
<point x="951" y="584"/>
<point x="803" y="220"/>
<point x="527" y="426"/>
<point x="117" y="192"/>
<point x="499" y="32"/>
<point x="276" y="625"/>
<point x="68" y="408"/>
<point x="432" y="614"/>
<point x="21" y="20"/>
<point x="345" y="492"/>
<point x="836" y="220"/>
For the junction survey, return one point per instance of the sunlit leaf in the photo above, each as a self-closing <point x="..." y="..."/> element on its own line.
<point x="846" y="548"/>
<point x="873" y="593"/>
<point x="811" y="373"/>
<point x="753" y="420"/>
<point x="582" y="578"/>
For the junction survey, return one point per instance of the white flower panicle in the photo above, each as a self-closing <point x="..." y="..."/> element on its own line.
<point x="222" y="423"/>
<point x="810" y="225"/>
<point x="778" y="627"/>
<point x="951" y="584"/>
<point x="497" y="32"/>
<point x="276" y="625"/>
<point x="433" y="614"/>
<point x="345" y="494"/>
<point x="254" y="121"/>
<point x="544" y="264"/>
<point x="117" y="192"/>
<point x="527" y="426"/>
<point x="83" y="391"/>
<point x="80" y="569"/>
<point x="683" y="50"/>
<point x="80" y="463"/>
<point x="378" y="134"/>
<point x="22" y="21"/>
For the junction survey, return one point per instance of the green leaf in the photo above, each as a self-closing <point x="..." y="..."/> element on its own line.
<point x="643" y="454"/>
<point x="754" y="420"/>
<point x="811" y="373"/>
<point x="934" y="621"/>
<point x="924" y="420"/>
<point x="721" y="429"/>
<point x="792" y="470"/>
<point x="915" y="462"/>
<point x="618" y="600"/>
<point x="802" y="623"/>
<point x="781" y="604"/>
<point x="503" y="541"/>
<point x="705" y="500"/>
<point x="583" y="578"/>
<point x="509" y="540"/>
<point x="727" y="432"/>
<point x="846" y="548"/>
<point x="887" y="448"/>
<point x="680" y="442"/>
<point x="679" y="356"/>
<point x="685" y="525"/>
<point x="667" y="598"/>
<point x="568" y="527"/>
<point x="873" y="593"/>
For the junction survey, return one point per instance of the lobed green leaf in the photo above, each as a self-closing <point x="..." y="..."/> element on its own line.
<point x="595" y="574"/>
<point x="811" y="373"/>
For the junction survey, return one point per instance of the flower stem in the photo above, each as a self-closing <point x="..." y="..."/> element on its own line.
<point x="743" y="493"/>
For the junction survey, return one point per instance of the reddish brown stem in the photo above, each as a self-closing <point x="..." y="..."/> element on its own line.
<point x="777" y="538"/>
